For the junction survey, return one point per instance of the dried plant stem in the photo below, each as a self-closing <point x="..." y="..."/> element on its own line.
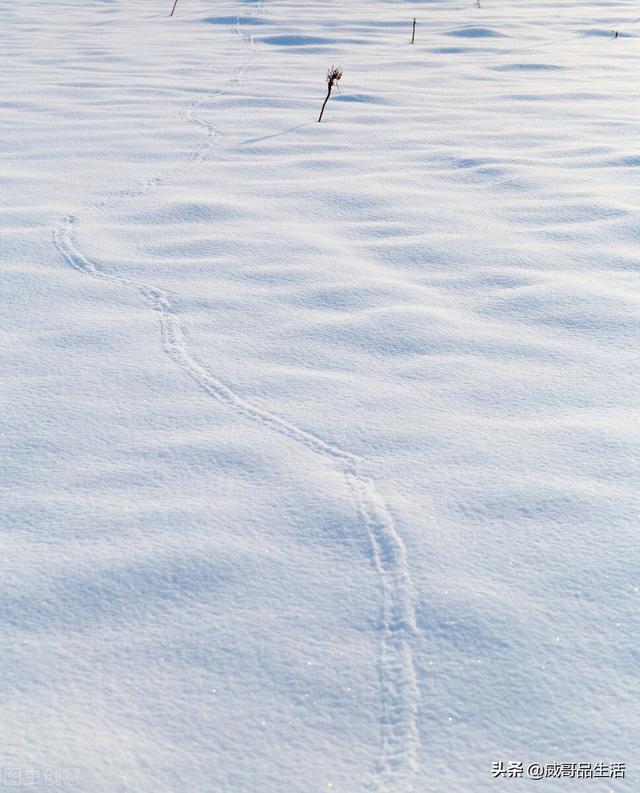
<point x="326" y="99"/>
<point x="413" y="34"/>
<point x="174" y="8"/>
<point x="333" y="75"/>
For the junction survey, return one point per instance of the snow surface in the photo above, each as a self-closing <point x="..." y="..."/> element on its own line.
<point x="319" y="441"/>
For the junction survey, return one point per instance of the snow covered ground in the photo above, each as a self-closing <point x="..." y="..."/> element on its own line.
<point x="319" y="456"/>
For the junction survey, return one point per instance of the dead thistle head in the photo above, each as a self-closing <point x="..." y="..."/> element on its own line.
<point x="333" y="75"/>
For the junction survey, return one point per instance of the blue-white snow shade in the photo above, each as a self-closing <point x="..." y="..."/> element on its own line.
<point x="319" y="455"/>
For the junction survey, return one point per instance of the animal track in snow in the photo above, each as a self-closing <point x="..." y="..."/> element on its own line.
<point x="398" y="755"/>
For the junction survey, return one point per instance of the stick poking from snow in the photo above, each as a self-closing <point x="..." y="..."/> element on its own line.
<point x="333" y="75"/>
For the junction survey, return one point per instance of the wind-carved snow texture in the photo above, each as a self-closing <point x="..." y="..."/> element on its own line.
<point x="398" y="756"/>
<point x="437" y="288"/>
